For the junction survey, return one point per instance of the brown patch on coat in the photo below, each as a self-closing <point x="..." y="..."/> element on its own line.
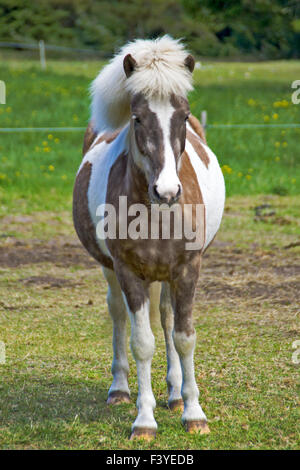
<point x="197" y="127"/>
<point x="198" y="147"/>
<point x="107" y="137"/>
<point x="89" y="137"/>
<point x="191" y="193"/>
<point x="183" y="289"/>
<point x="178" y="124"/>
<point x="138" y="262"/>
<point x="81" y="216"/>
<point x="148" y="133"/>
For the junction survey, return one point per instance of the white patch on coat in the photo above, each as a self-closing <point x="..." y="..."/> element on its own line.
<point x="142" y="346"/>
<point x="167" y="182"/>
<point x="212" y="187"/>
<point x="185" y="346"/>
<point x="118" y="313"/>
<point x="102" y="156"/>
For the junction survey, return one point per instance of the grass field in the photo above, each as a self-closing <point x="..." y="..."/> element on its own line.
<point x="53" y="314"/>
<point x="37" y="169"/>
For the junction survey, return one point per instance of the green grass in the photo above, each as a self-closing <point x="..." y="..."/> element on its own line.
<point x="54" y="322"/>
<point x="37" y="170"/>
<point x="53" y="314"/>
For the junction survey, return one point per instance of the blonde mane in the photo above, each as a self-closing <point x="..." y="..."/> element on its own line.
<point x="160" y="72"/>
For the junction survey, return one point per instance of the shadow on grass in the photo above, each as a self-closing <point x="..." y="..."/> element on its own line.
<point x="37" y="399"/>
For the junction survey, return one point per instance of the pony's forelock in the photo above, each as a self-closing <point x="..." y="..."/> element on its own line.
<point x="160" y="72"/>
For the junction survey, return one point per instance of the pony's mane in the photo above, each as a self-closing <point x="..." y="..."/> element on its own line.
<point x="160" y="71"/>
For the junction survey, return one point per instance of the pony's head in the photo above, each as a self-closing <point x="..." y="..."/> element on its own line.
<point x="158" y="133"/>
<point x="147" y="84"/>
<point x="158" y="124"/>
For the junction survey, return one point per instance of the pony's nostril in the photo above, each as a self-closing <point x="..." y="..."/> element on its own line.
<point x="156" y="193"/>
<point x="178" y="192"/>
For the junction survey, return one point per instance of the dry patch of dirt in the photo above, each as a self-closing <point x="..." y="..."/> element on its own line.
<point x="56" y="251"/>
<point x="254" y="275"/>
<point x="48" y="282"/>
<point x="228" y="274"/>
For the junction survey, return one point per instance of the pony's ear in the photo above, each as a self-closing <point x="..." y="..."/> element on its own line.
<point x="189" y="62"/>
<point x="129" y="65"/>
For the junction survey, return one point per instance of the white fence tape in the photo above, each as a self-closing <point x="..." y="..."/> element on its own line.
<point x="209" y="126"/>
<point x="41" y="129"/>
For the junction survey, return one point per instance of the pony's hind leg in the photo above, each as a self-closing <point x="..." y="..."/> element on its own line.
<point x="174" y="375"/>
<point x="119" y="391"/>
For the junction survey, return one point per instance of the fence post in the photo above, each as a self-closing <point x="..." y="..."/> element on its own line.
<point x="42" y="54"/>
<point x="2" y="92"/>
<point x="204" y="119"/>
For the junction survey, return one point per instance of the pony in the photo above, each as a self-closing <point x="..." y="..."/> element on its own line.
<point x="143" y="143"/>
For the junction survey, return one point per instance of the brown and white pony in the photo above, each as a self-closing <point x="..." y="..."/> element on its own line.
<point x="143" y="143"/>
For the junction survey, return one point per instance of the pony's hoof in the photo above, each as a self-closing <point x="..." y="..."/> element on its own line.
<point x="117" y="397"/>
<point x="147" y="434"/>
<point x="198" y="426"/>
<point x="176" y="405"/>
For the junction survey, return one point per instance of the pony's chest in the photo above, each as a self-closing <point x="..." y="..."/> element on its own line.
<point x="149" y="259"/>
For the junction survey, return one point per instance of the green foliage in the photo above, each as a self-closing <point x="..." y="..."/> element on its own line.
<point x="265" y="28"/>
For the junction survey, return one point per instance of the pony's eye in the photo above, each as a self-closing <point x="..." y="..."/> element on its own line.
<point x="137" y="120"/>
<point x="187" y="117"/>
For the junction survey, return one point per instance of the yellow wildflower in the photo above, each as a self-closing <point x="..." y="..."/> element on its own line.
<point x="227" y="169"/>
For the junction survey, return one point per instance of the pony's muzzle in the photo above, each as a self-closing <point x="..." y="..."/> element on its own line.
<point x="167" y="197"/>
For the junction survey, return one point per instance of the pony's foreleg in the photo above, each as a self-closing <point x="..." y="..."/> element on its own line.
<point x="174" y="375"/>
<point x="119" y="391"/>
<point x="136" y="294"/>
<point x="184" y="336"/>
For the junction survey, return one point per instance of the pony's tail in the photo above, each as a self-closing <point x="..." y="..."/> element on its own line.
<point x="155" y="289"/>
